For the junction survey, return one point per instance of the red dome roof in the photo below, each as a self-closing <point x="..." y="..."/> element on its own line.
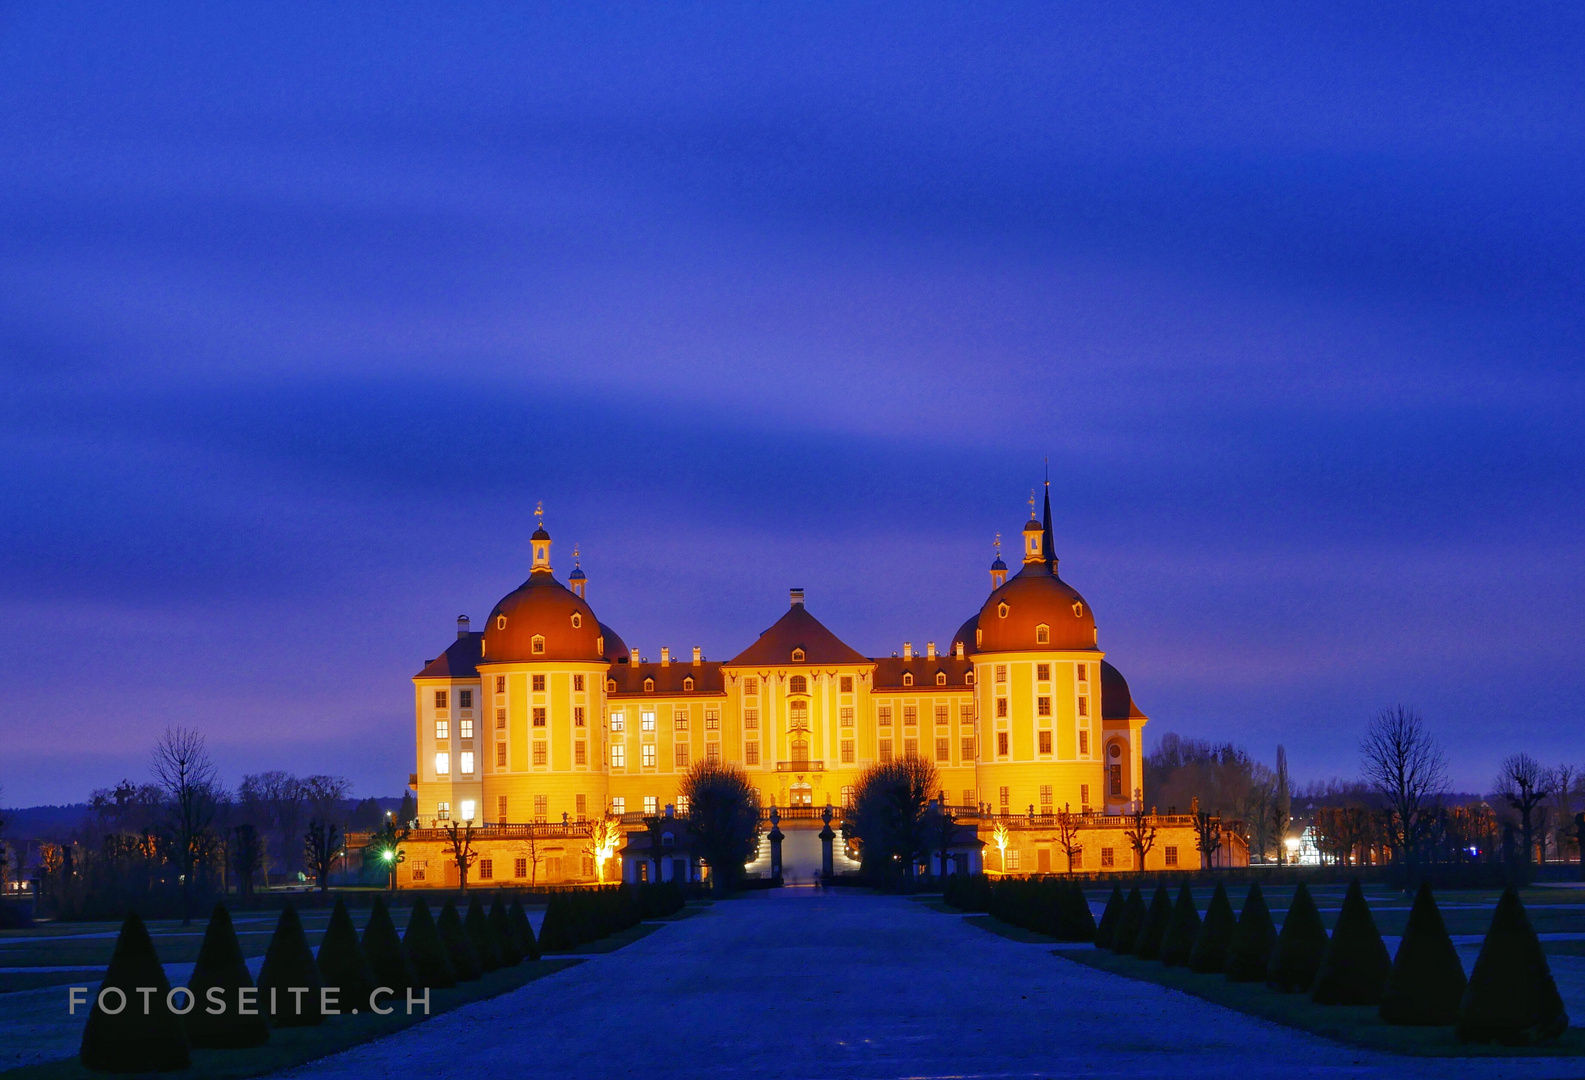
<point x="545" y="609"/>
<point x="1011" y="617"/>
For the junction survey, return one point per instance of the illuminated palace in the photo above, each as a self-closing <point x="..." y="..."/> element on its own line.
<point x="545" y="721"/>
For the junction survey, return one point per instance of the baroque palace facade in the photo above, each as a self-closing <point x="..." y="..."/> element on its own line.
<point x="545" y="721"/>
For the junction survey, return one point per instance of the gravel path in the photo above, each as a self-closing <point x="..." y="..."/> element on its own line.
<point x="799" y="983"/>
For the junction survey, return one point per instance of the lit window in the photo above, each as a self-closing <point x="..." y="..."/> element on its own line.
<point x="500" y="755"/>
<point x="1172" y="855"/>
<point x="941" y="714"/>
<point x="886" y="749"/>
<point x="580" y="808"/>
<point x="798" y="713"/>
<point x="712" y="720"/>
<point x="1108" y="857"/>
<point x="618" y="756"/>
<point x="846" y="684"/>
<point x="577" y="620"/>
<point x="847" y="716"/>
<point x="798" y="656"/>
<point x="442" y="764"/>
<point x="1001" y="708"/>
<point x="1042" y="634"/>
<point x="965" y="714"/>
<point x="680" y="719"/>
<point x="941" y="678"/>
<point x="910" y="715"/>
<point x="500" y="622"/>
<point x="1001" y="673"/>
<point x="539" y="684"/>
<point x="464" y="699"/>
<point x="1012" y="858"/>
<point x="580" y="753"/>
<point x="751" y="686"/>
<point x="577" y="716"/>
<point x="680" y="755"/>
<point x="751" y="753"/>
<point x="1045" y="742"/>
<point x="618" y="805"/>
<point x="617" y="720"/>
<point x="539" y="717"/>
<point x="468" y="807"/>
<point x="541" y="807"/>
<point x="1043" y="706"/>
<point x="486" y="869"/>
<point x="537" y="645"/>
<point x="539" y="752"/>
<point x="847" y="751"/>
<point x="797" y="685"/>
<point x="944" y="750"/>
<point x="649" y="686"/>
<point x="1045" y="797"/>
<point x="465" y="728"/>
<point x="651" y="804"/>
<point x="1001" y="744"/>
<point x="646" y="720"/>
<point x="440" y="699"/>
<point x="883" y="716"/>
<point x="465" y="759"/>
<point x="968" y="755"/>
<point x="910" y="748"/>
<point x="442" y="729"/>
<point x="1078" y="609"/>
<point x="647" y="755"/>
<point x="908" y="678"/>
<point x="443" y="811"/>
<point x="1006" y="795"/>
<point x="751" y="719"/>
<point x="712" y="752"/>
<point x="520" y="867"/>
<point x="687" y="683"/>
<point x="847" y="795"/>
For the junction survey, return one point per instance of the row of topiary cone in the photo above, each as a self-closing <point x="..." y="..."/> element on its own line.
<point x="1052" y="906"/>
<point x="145" y="1034"/>
<point x="1510" y="997"/>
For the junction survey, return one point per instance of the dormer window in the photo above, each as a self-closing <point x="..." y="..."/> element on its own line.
<point x="500" y="622"/>
<point x="798" y="656"/>
<point x="941" y="678"/>
<point x="798" y="684"/>
<point x="1002" y="609"/>
<point x="649" y="686"/>
<point x="577" y="620"/>
<point x="537" y="645"/>
<point x="1042" y="634"/>
<point x="1078" y="609"/>
<point x="968" y="678"/>
<point x="908" y="678"/>
<point x="610" y="686"/>
<point x="687" y="684"/>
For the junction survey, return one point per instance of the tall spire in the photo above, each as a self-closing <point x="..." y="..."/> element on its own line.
<point x="1046" y="544"/>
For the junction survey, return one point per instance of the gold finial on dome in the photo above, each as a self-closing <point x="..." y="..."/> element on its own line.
<point x="1032" y="514"/>
<point x="539" y="512"/>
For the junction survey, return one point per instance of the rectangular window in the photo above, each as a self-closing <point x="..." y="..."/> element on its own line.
<point x="1115" y="777"/>
<point x="846" y="684"/>
<point x="883" y="716"/>
<point x="443" y="811"/>
<point x="712" y="752"/>
<point x="750" y="719"/>
<point x="577" y="683"/>
<point x="1012" y="859"/>
<point x="539" y="717"/>
<point x="1045" y="798"/>
<point x="500" y="755"/>
<point x="580" y="803"/>
<point x="442" y="729"/>
<point x="440" y="699"/>
<point x="500" y="684"/>
<point x="1108" y="857"/>
<point x="712" y="719"/>
<point x="1084" y="706"/>
<point x="618" y="805"/>
<point x="577" y="716"/>
<point x="420" y="870"/>
<point x="1042" y="672"/>
<point x="680" y="755"/>
<point x="910" y="748"/>
<point x="944" y="750"/>
<point x="1084" y="742"/>
<point x="1006" y="794"/>
<point x="751" y="686"/>
<point x="646" y="720"/>
<point x="464" y="699"/>
<point x="1042" y="706"/>
<point x="910" y="715"/>
<point x="553" y="868"/>
<point x="486" y="869"/>
<point x="539" y="752"/>
<point x="1172" y="855"/>
<point x="942" y="715"/>
<point x="1082" y="672"/>
<point x="1001" y="708"/>
<point x="1001" y="744"/>
<point x="541" y="807"/>
<point x="1001" y="673"/>
<point x="520" y="867"/>
<point x="751" y="753"/>
<point x="847" y="716"/>
<point x="651" y="804"/>
<point x="467" y="810"/>
<point x="465" y="728"/>
<point x="647" y="755"/>
<point x="968" y="798"/>
<point x="968" y="749"/>
<point x="500" y="719"/>
<point x="966" y="714"/>
<point x="500" y="808"/>
<point x="442" y="764"/>
<point x="847" y="751"/>
<point x="539" y="684"/>
<point x="1045" y="742"/>
<point x="680" y="720"/>
<point x="617" y="720"/>
<point x="886" y="749"/>
<point x="580" y="752"/>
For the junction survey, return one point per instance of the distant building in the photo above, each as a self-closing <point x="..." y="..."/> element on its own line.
<point x="545" y="720"/>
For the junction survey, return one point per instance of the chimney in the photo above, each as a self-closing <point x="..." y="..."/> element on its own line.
<point x="698" y="655"/>
<point x="957" y="650"/>
<point x="462" y="626"/>
<point x="908" y="650"/>
<point x="665" y="655"/>
<point x="930" y="650"/>
<point x="797" y="598"/>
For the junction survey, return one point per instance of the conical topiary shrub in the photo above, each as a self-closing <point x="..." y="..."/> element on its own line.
<point x="128" y="1039"/>
<point x="1147" y="946"/>
<point x="1177" y="946"/>
<point x="1106" y="929"/>
<point x="289" y="965"/>
<point x="1209" y="954"/>
<point x="1427" y="977"/>
<point x="425" y="951"/>
<point x="556" y="931"/>
<point x="523" y="930"/>
<point x="1300" y="946"/>
<point x="459" y="949"/>
<point x="1511" y="997"/>
<point x="505" y="938"/>
<point x="480" y="933"/>
<point x="1355" y="967"/>
<point x="1078" y="920"/>
<point x="1126" y="934"/>
<point x="221" y="965"/>
<point x="342" y="966"/>
<point x="383" y="950"/>
<point x="1249" y="950"/>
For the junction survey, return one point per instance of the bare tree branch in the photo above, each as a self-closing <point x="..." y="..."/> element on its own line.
<point x="1407" y="768"/>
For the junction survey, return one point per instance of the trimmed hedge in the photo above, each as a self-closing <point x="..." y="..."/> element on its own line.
<point x="382" y="948"/>
<point x="1300" y="945"/>
<point x="342" y="966"/>
<point x="1147" y="946"/>
<point x="459" y="949"/>
<point x="221" y="965"/>
<point x="289" y="963"/>
<point x="1249" y="950"/>
<point x="1355" y="966"/>
<point x="1511" y="997"/>
<point x="130" y="1040"/>
<point x="426" y="951"/>
<point x="1215" y="934"/>
<point x="523" y="931"/>
<point x="1178" y="944"/>
<point x="505" y="938"/>
<point x="481" y="935"/>
<point x="1125" y="935"/>
<point x="1106" y="929"/>
<point x="1427" y="979"/>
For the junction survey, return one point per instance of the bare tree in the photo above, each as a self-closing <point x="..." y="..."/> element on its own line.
<point x="460" y="836"/>
<point x="247" y="855"/>
<point x="605" y="835"/>
<point x="1523" y="784"/>
<point x="1406" y="767"/>
<point x="1067" y="823"/>
<point x="274" y="800"/>
<point x="1207" y="834"/>
<point x="1282" y="807"/>
<point x="1140" y="830"/>
<point x="1565" y="787"/>
<point x="321" y="847"/>
<point x="186" y="776"/>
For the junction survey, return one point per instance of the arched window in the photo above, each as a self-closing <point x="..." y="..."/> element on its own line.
<point x="908" y="678"/>
<point x="500" y="622"/>
<point x="610" y="686"/>
<point x="687" y="684"/>
<point x="798" y="684"/>
<point x="1078" y="609"/>
<point x="968" y="677"/>
<point x="941" y="678"/>
<point x="649" y="686"/>
<point x="577" y="620"/>
<point x="979" y="637"/>
<point x="537" y="646"/>
<point x="798" y="656"/>
<point x="1001" y="610"/>
<point x="1042" y="634"/>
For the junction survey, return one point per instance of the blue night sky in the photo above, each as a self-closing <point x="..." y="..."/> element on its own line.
<point x="301" y="312"/>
